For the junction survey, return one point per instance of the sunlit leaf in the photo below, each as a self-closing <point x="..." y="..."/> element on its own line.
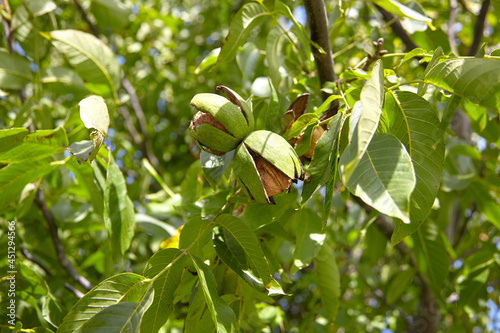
<point x="384" y="177"/>
<point x="372" y="96"/>
<point x="109" y="292"/>
<point x="477" y="79"/>
<point x="17" y="145"/>
<point x="91" y="59"/>
<point x="416" y="124"/>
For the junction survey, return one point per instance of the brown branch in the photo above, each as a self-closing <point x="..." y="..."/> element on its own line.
<point x="479" y="28"/>
<point x="75" y="291"/>
<point x="61" y="257"/>
<point x="34" y="260"/>
<point x="318" y="24"/>
<point x="398" y="29"/>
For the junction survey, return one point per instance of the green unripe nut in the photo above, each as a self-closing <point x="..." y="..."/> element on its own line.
<point x="221" y="123"/>
<point x="265" y="164"/>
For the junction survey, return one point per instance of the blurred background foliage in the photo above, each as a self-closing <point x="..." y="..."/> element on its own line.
<point x="165" y="51"/>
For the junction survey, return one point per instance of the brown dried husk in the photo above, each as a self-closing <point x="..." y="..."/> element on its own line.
<point x="206" y="118"/>
<point x="273" y="179"/>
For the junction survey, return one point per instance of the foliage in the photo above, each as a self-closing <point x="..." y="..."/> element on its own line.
<point x="395" y="227"/>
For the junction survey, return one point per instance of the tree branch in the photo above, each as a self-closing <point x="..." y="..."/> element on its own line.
<point x="479" y="28"/>
<point x="318" y="24"/>
<point x="61" y="257"/>
<point x="398" y="29"/>
<point x="139" y="113"/>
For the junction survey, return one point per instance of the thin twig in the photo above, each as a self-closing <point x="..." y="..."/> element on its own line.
<point x="451" y="26"/>
<point x="479" y="28"/>
<point x="318" y="24"/>
<point x="61" y="257"/>
<point x="398" y="29"/>
<point x="139" y="113"/>
<point x="84" y="16"/>
<point x="34" y="260"/>
<point x="75" y="291"/>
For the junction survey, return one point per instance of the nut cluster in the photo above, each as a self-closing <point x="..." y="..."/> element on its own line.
<point x="265" y="164"/>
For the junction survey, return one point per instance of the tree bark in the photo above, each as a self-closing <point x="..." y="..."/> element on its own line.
<point x="318" y="25"/>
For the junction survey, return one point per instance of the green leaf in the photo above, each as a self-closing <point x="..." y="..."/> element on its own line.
<point x="90" y="189"/>
<point x="328" y="282"/>
<point x="300" y="124"/>
<point x="401" y="10"/>
<point x="214" y="166"/>
<point x="430" y="254"/>
<point x="486" y="203"/>
<point x="476" y="79"/>
<point x="372" y="96"/>
<point x="496" y="5"/>
<point x="416" y="124"/>
<point x="384" y="177"/>
<point x="120" y="317"/>
<point x="17" y="146"/>
<point x="83" y="150"/>
<point x="14" y="177"/>
<point x="91" y="59"/>
<point x="309" y="238"/>
<point x="109" y="292"/>
<point x="222" y="315"/>
<point x="198" y="318"/>
<point x="94" y="113"/>
<point x="119" y="217"/>
<point x="233" y="255"/>
<point x="61" y="79"/>
<point x="195" y="234"/>
<point x="208" y="61"/>
<point x="247" y="240"/>
<point x="170" y="265"/>
<point x="274" y="44"/>
<point x="247" y="18"/>
<point x="15" y="71"/>
<point x="274" y="111"/>
<point x="110" y="13"/>
<point x="438" y="53"/>
<point x="399" y="284"/>
<point x="325" y="155"/>
<point x="38" y="8"/>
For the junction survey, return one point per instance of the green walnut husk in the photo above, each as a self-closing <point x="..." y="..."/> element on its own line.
<point x="265" y="164"/>
<point x="221" y="123"/>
